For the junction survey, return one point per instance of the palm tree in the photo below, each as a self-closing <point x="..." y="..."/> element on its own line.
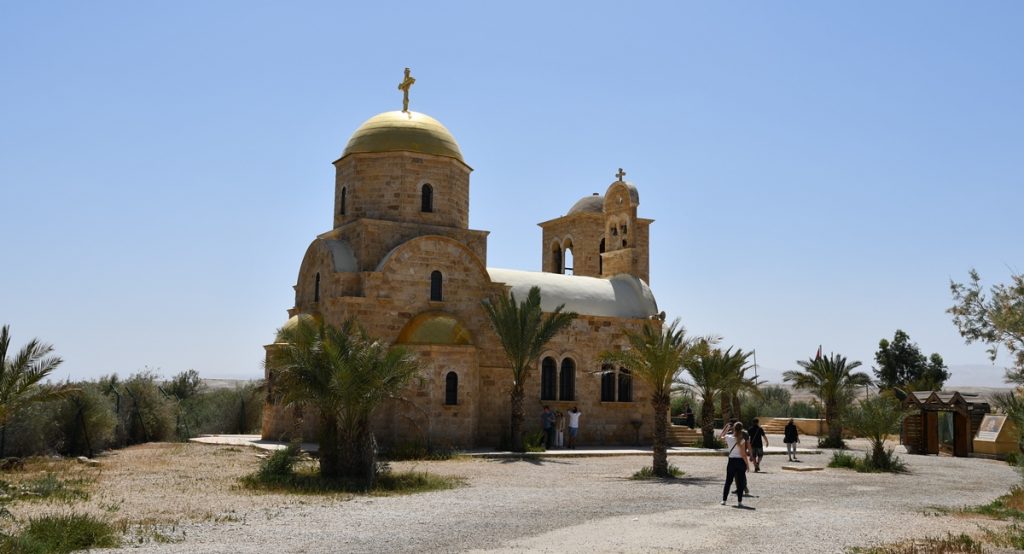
<point x="716" y="375"/>
<point x="832" y="380"/>
<point x="523" y="330"/>
<point x="345" y="376"/>
<point x="656" y="356"/>
<point x="21" y="375"/>
<point x="875" y="418"/>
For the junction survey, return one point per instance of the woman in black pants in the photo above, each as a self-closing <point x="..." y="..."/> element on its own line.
<point x="738" y="462"/>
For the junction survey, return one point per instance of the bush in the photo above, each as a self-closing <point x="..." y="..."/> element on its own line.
<point x="278" y="467"/>
<point x="236" y="410"/>
<point x="802" y="410"/>
<point x="534" y="442"/>
<point x="889" y="464"/>
<point x="62" y="533"/>
<point x="829" y="442"/>
<point x="29" y="431"/>
<point x="843" y="460"/>
<point x="85" y="423"/>
<point x="144" y="412"/>
<point x="648" y="473"/>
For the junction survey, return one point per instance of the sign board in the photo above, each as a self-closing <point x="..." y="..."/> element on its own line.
<point x="990" y="427"/>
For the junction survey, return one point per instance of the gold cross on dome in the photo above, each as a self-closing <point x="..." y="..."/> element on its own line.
<point x="620" y="174"/>
<point x="404" y="87"/>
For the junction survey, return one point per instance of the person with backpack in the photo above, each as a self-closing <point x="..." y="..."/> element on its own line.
<point x="757" y="435"/>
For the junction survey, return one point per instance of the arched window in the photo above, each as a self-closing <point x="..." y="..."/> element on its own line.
<point x="451" y="389"/>
<point x="607" y="383"/>
<point x="435" y="286"/>
<point x="556" y="259"/>
<point x="625" y="385"/>
<point x="600" y="260"/>
<point x="548" y="378"/>
<point x="427" y="198"/>
<point x="344" y="192"/>
<point x="568" y="257"/>
<point x="567" y="380"/>
<point x="316" y="288"/>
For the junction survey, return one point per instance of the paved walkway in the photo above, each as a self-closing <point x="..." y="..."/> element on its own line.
<point x="582" y="452"/>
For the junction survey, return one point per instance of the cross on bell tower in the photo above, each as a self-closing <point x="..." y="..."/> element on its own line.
<point x="404" y="86"/>
<point x="620" y="174"/>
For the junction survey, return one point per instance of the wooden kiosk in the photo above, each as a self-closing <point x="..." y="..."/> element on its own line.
<point x="943" y="423"/>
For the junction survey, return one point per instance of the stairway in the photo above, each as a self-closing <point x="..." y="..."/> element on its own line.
<point x="681" y="435"/>
<point x="774" y="426"/>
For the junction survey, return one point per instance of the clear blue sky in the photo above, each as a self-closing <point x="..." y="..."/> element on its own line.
<point x="817" y="171"/>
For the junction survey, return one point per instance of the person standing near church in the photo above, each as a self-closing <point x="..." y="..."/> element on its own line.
<point x="574" y="426"/>
<point x="738" y="464"/>
<point x="791" y="437"/>
<point x="547" y="420"/>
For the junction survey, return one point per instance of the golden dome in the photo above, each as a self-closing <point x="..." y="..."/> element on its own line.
<point x="403" y="132"/>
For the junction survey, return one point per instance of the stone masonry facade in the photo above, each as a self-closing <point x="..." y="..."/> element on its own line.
<point x="401" y="260"/>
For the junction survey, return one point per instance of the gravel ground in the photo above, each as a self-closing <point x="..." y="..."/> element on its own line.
<point x="189" y="493"/>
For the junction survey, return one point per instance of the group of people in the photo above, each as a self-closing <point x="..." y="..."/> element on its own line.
<point x="549" y="422"/>
<point x="746" y="446"/>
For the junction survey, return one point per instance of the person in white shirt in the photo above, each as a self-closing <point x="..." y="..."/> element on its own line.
<point x="574" y="426"/>
<point x="739" y="463"/>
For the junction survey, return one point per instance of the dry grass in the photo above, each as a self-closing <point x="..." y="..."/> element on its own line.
<point x="148" y="490"/>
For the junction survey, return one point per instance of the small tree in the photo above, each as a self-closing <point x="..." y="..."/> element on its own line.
<point x="345" y="376"/>
<point x="875" y="418"/>
<point x="21" y="375"/>
<point x="997" y="320"/>
<point x="903" y="369"/>
<point x="656" y="356"/>
<point x="524" y="330"/>
<point x="833" y="381"/>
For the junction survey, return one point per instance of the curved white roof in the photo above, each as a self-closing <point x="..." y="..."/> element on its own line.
<point x="619" y="296"/>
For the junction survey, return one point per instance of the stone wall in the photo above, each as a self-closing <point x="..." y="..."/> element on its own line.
<point x="388" y="186"/>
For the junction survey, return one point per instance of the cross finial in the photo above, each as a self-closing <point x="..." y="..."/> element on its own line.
<point x="620" y="174"/>
<point x="404" y="87"/>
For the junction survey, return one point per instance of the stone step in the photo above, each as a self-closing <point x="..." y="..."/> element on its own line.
<point x="680" y="435"/>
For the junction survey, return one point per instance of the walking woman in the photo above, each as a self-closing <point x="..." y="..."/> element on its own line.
<point x="738" y="462"/>
<point x="791" y="437"/>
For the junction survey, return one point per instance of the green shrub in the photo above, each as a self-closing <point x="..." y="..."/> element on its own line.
<point x="30" y="431"/>
<point x="802" y="410"/>
<point x="647" y="472"/>
<point x="534" y="442"/>
<point x="843" y="460"/>
<point x="85" y="422"/>
<point x="144" y="412"/>
<point x="61" y="533"/>
<point x="237" y="410"/>
<point x="866" y="464"/>
<point x="279" y="466"/>
<point x="828" y="442"/>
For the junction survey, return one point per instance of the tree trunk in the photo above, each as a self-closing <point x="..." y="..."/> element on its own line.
<point x="726" y="411"/>
<point x="358" y="459"/>
<point x="707" y="422"/>
<point x="835" y="429"/>
<point x="330" y="449"/>
<point x="878" y="453"/>
<point x="517" y="396"/>
<point x="661" y="403"/>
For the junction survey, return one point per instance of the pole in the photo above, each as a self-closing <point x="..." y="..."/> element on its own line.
<point x="755" y="367"/>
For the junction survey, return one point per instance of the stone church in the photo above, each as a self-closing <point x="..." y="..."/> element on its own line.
<point x="401" y="259"/>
